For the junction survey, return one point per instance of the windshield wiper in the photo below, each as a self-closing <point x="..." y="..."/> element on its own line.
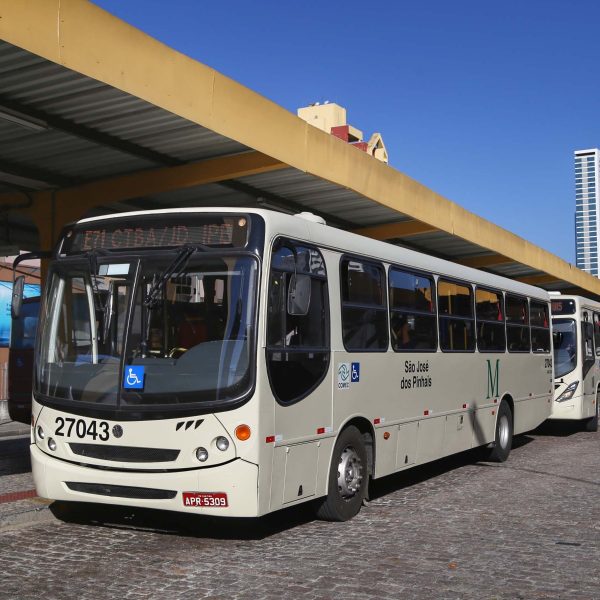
<point x="93" y="264"/>
<point x="174" y="269"/>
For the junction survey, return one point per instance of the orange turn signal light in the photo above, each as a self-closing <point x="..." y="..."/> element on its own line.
<point x="386" y="435"/>
<point x="242" y="432"/>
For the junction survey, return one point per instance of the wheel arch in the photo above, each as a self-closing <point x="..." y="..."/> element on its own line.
<point x="511" y="404"/>
<point x="368" y="434"/>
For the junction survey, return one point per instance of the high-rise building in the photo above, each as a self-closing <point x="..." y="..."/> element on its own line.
<point x="587" y="209"/>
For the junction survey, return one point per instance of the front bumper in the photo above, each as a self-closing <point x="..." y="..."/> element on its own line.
<point x="238" y="479"/>
<point x="572" y="409"/>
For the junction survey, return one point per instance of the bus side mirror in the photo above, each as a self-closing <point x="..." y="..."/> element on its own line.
<point x="19" y="282"/>
<point x="298" y="300"/>
<point x="17" y="296"/>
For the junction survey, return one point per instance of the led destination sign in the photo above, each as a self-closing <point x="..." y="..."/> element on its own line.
<point x="563" y="307"/>
<point x="231" y="232"/>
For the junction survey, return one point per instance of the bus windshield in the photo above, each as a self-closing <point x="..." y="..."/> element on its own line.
<point x="564" y="332"/>
<point x="140" y="333"/>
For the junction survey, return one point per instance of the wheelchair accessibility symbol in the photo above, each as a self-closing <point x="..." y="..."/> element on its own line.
<point x="348" y="373"/>
<point x="133" y="378"/>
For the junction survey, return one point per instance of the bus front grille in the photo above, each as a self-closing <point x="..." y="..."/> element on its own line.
<point x="125" y="453"/>
<point x="121" y="491"/>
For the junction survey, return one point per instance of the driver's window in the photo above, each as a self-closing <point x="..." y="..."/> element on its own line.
<point x="297" y="340"/>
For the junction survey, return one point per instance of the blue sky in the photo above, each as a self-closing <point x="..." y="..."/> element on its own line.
<point x="482" y="101"/>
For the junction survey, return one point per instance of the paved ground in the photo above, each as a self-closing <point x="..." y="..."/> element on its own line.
<point x="526" y="529"/>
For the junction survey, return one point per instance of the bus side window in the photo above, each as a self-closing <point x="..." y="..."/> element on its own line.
<point x="364" y="310"/>
<point x="517" y="324"/>
<point x="597" y="333"/>
<point x="412" y="311"/>
<point x="491" y="331"/>
<point x="456" y="318"/>
<point x="588" y="341"/>
<point x="540" y="327"/>
<point x="297" y="344"/>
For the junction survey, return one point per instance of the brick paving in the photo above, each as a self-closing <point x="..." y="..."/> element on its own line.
<point x="528" y="528"/>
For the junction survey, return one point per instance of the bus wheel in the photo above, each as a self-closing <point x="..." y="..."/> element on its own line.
<point x="504" y="434"/>
<point x="592" y="424"/>
<point x="348" y="478"/>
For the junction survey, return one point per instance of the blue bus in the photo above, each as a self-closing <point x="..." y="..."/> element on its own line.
<point x="20" y="360"/>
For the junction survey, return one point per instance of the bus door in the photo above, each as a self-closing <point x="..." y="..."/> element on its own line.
<point x="597" y="348"/>
<point x="298" y="356"/>
<point x="588" y="357"/>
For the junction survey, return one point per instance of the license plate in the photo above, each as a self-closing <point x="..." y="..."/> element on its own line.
<point x="205" y="499"/>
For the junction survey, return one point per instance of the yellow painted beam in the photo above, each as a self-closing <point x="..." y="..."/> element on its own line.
<point x="389" y="231"/>
<point x="82" y="37"/>
<point x="71" y="203"/>
<point x="578" y="292"/>
<point x="76" y="200"/>
<point x="489" y="260"/>
<point x="538" y="279"/>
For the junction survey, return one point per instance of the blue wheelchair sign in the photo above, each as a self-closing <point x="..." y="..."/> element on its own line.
<point x="133" y="378"/>
<point x="355" y="372"/>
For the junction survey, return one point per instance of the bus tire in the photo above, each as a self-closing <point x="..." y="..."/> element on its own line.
<point x="591" y="424"/>
<point x="504" y="433"/>
<point x="348" y="478"/>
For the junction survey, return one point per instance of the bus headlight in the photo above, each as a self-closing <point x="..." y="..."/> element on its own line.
<point x="40" y="433"/>
<point x="51" y="444"/>
<point x="202" y="454"/>
<point x="568" y="393"/>
<point x="222" y="443"/>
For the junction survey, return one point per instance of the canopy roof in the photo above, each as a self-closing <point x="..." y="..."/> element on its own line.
<point x="97" y="117"/>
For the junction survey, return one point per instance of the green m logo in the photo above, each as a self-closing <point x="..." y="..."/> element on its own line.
<point x="493" y="384"/>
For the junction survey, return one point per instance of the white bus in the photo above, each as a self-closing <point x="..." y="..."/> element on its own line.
<point x="236" y="362"/>
<point x="576" y="334"/>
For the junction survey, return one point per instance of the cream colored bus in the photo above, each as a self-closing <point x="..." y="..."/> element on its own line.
<point x="576" y="333"/>
<point x="239" y="361"/>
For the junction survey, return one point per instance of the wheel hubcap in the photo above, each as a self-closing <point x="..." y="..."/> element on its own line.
<point x="349" y="473"/>
<point x="503" y="431"/>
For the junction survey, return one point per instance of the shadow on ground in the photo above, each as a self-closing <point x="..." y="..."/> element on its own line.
<point x="185" y="524"/>
<point x="556" y="428"/>
<point x="14" y="456"/>
<point x="182" y="524"/>
<point x="410" y="477"/>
